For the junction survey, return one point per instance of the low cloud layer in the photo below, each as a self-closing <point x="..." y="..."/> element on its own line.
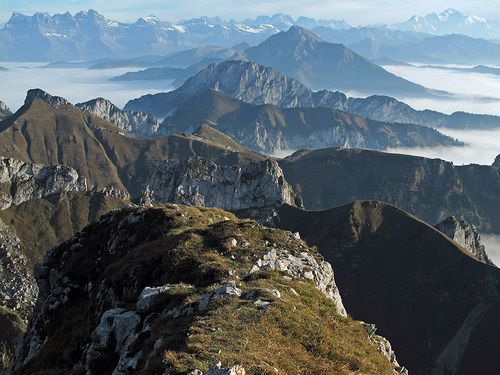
<point x="482" y="147"/>
<point x="470" y="87"/>
<point x="76" y="85"/>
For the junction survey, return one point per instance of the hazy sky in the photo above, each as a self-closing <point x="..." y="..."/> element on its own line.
<point x="354" y="11"/>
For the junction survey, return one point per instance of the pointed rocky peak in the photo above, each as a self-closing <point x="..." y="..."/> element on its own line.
<point x="38" y="94"/>
<point x="96" y="104"/>
<point x="466" y="235"/>
<point x="299" y="33"/>
<point x="496" y="163"/>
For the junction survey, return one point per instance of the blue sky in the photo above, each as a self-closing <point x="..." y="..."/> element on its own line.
<point x="354" y="11"/>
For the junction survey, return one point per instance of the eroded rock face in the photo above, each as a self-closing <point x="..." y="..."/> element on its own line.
<point x="466" y="235"/>
<point x="18" y="288"/>
<point x="202" y="182"/>
<point x="20" y="181"/>
<point x="138" y="123"/>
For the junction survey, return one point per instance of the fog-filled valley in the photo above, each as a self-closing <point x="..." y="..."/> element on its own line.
<point x="475" y="92"/>
<point x="75" y="84"/>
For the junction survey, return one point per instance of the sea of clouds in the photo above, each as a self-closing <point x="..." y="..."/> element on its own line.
<point x="474" y="92"/>
<point x="75" y="84"/>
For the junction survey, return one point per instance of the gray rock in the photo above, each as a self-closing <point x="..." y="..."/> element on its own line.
<point x="384" y="346"/>
<point x="115" y="333"/>
<point x="202" y="182"/>
<point x="138" y="123"/>
<point x="222" y="294"/>
<point x="466" y="235"/>
<point x="218" y="370"/>
<point x="20" y="181"/>
<point x="151" y="298"/>
<point x="303" y="266"/>
<point x="262" y="305"/>
<point x="496" y="163"/>
<point x="18" y="288"/>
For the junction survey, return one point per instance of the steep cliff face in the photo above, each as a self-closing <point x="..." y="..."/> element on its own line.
<point x="20" y="181"/>
<point x="482" y="185"/>
<point x="200" y="181"/>
<point x="429" y="296"/>
<point x="178" y="289"/>
<point x="466" y="235"/>
<point x="429" y="189"/>
<point x="18" y="289"/>
<point x="138" y="123"/>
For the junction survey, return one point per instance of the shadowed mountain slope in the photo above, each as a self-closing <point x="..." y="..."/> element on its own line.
<point x="424" y="292"/>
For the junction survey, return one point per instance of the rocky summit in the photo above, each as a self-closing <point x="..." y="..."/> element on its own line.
<point x="303" y="55"/>
<point x="179" y="290"/>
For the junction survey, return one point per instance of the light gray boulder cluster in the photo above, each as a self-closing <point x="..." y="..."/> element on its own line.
<point x="21" y="182"/>
<point x="217" y="369"/>
<point x="384" y="346"/>
<point x="202" y="182"/>
<point x="304" y="266"/>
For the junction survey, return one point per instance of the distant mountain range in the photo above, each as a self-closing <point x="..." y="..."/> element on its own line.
<point x="455" y="48"/>
<point x="299" y="53"/>
<point x="269" y="128"/>
<point x="451" y="21"/>
<point x="88" y="35"/>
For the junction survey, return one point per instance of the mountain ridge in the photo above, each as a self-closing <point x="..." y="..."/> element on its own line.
<point x="256" y="84"/>
<point x="418" y="283"/>
<point x="303" y="55"/>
